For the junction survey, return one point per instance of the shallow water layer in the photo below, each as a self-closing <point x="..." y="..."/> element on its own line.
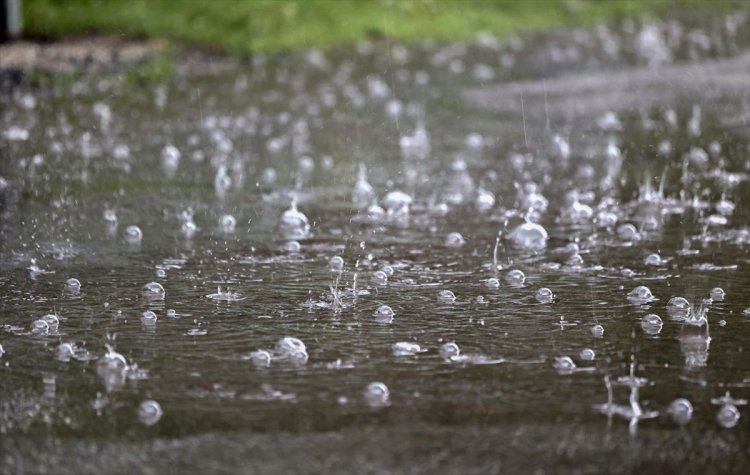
<point x="268" y="139"/>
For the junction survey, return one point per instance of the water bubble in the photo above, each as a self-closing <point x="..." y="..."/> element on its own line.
<point x="294" y="224"/>
<point x="52" y="320"/>
<point x="681" y="411"/>
<point x="627" y="232"/>
<point x="227" y="223"/>
<point x="544" y="295"/>
<point x="454" y="240"/>
<point x="728" y="416"/>
<point x="160" y="274"/>
<point x="291" y="247"/>
<point x="653" y="260"/>
<point x="492" y="283"/>
<point x="384" y="314"/>
<point x="149" y="412"/>
<point x="260" y="358"/>
<point x="377" y="394"/>
<point x="597" y="331"/>
<point x="640" y="295"/>
<point x="575" y="261"/>
<point x="133" y="234"/>
<point x="388" y="270"/>
<point x="564" y="364"/>
<point x="449" y="350"/>
<point x="515" y="278"/>
<point x="587" y="354"/>
<point x="379" y="277"/>
<point x="678" y="307"/>
<point x="154" y="291"/>
<point x="651" y="324"/>
<point x="530" y="236"/>
<point x="446" y="296"/>
<point x="292" y="349"/>
<point x="148" y="318"/>
<point x="406" y="348"/>
<point x="336" y="264"/>
<point x="717" y="294"/>
<point x="110" y="217"/>
<point x="39" y="327"/>
<point x="65" y="352"/>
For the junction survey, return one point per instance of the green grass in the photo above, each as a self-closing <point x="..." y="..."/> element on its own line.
<point x="242" y="26"/>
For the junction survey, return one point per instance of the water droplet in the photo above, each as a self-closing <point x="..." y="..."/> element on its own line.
<point x="564" y="364"/>
<point x="227" y="223"/>
<point x="153" y="291"/>
<point x="492" y="283"/>
<point x="651" y="324"/>
<point x="728" y="416"/>
<point x="363" y="193"/>
<point x="454" y="240"/>
<point x="405" y="348"/>
<point x="388" y="270"/>
<point x="717" y="294"/>
<point x="449" y="350"/>
<point x="597" y="331"/>
<point x="446" y="296"/>
<point x="681" y="411"/>
<point x="72" y="286"/>
<point x="336" y="264"/>
<point x="379" y="278"/>
<point x="530" y="236"/>
<point x="544" y="295"/>
<point x="294" y="224"/>
<point x="653" y="260"/>
<point x="678" y="307"/>
<point x="291" y="247"/>
<point x="587" y="354"/>
<point x="148" y="318"/>
<point x="292" y="349"/>
<point x="39" y="327"/>
<point x="515" y="277"/>
<point x="261" y="358"/>
<point x="384" y="314"/>
<point x="641" y="295"/>
<point x="377" y="394"/>
<point x="149" y="412"/>
<point x="133" y="234"/>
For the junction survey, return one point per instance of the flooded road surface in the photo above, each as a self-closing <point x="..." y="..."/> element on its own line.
<point x="376" y="260"/>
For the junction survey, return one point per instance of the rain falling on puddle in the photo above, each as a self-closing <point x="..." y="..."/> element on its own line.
<point x="389" y="246"/>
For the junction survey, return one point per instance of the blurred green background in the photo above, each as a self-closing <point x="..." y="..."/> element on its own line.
<point x="242" y="26"/>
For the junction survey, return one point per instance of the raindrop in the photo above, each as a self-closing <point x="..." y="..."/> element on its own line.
<point x="377" y="394"/>
<point x="336" y="264"/>
<point x="379" y="278"/>
<point x="492" y="283"/>
<point x="227" y="223"/>
<point x="133" y="234"/>
<point x="454" y="240"/>
<point x="651" y="324"/>
<point x="728" y="416"/>
<point x="149" y="412"/>
<point x="544" y="295"/>
<point x="384" y="314"/>
<point x="446" y="296"/>
<point x="406" y="348"/>
<point x="154" y="291"/>
<point x="641" y="295"/>
<point x="587" y="354"/>
<point x="449" y="350"/>
<point x="717" y="294"/>
<point x="681" y="411"/>
<point x="516" y="278"/>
